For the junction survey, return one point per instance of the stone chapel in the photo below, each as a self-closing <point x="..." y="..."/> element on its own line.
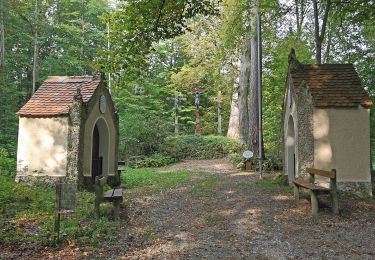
<point x="68" y="129"/>
<point x="326" y="123"/>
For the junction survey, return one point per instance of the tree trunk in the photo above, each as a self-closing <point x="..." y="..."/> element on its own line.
<point x="328" y="46"/>
<point x="243" y="91"/>
<point x="234" y="119"/>
<point x="83" y="6"/>
<point x="2" y="36"/>
<point x="300" y="15"/>
<point x="319" y="33"/>
<point x="35" y="39"/>
<point x="254" y="126"/>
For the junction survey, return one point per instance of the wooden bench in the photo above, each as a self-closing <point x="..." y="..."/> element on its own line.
<point x="114" y="195"/>
<point x="315" y="189"/>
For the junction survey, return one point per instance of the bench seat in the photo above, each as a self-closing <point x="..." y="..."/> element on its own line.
<point x="115" y="193"/>
<point x="311" y="186"/>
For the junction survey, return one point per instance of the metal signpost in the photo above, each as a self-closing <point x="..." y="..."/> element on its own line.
<point x="197" y="93"/>
<point x="259" y="36"/>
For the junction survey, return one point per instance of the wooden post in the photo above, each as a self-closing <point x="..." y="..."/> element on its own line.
<point x="197" y="92"/>
<point x="334" y="197"/>
<point x="98" y="195"/>
<point x="57" y="212"/>
<point x="314" y="203"/>
<point x="219" y="110"/>
<point x="116" y="208"/>
<point x="296" y="192"/>
<point x="177" y="100"/>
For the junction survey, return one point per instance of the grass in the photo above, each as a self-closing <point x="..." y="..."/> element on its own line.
<point x="152" y="180"/>
<point x="26" y="215"/>
<point x="27" y="212"/>
<point x="272" y="183"/>
<point x="208" y="184"/>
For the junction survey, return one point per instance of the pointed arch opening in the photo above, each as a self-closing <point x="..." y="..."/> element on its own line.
<point x="100" y="149"/>
<point x="290" y="150"/>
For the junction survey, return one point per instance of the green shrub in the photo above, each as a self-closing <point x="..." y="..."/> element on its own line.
<point x="199" y="147"/>
<point x="22" y="207"/>
<point x="156" y="160"/>
<point x="7" y="165"/>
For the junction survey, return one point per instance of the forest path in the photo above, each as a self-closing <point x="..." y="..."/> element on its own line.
<point x="224" y="214"/>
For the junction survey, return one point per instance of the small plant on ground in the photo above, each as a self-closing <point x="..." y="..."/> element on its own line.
<point x="152" y="180"/>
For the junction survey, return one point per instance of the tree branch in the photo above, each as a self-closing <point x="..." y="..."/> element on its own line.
<point x="162" y="3"/>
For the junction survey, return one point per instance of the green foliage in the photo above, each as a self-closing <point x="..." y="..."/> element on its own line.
<point x="26" y="214"/>
<point x="152" y="180"/>
<point x="155" y="160"/>
<point x="7" y="165"/>
<point x="199" y="147"/>
<point x="69" y="35"/>
<point x="18" y="200"/>
<point x="275" y="183"/>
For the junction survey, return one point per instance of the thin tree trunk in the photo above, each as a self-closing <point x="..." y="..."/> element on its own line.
<point x="35" y="36"/>
<point x="2" y="36"/>
<point x="82" y="30"/>
<point x="328" y="48"/>
<point x="234" y="119"/>
<point x="300" y="15"/>
<point x="319" y="33"/>
<point x="243" y="91"/>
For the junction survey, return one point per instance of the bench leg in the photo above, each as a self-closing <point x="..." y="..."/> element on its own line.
<point x="335" y="203"/>
<point x="116" y="209"/>
<point x="97" y="208"/>
<point x="296" y="192"/>
<point x="314" y="203"/>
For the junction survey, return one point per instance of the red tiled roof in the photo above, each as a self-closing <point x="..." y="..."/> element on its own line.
<point x="55" y="96"/>
<point x="332" y="85"/>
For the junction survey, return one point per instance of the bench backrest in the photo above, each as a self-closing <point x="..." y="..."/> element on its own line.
<point x="329" y="174"/>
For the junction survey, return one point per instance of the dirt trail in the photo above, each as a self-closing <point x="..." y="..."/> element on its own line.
<point x="235" y="219"/>
<point x="223" y="214"/>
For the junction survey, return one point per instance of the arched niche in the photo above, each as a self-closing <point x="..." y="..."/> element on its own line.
<point x="100" y="148"/>
<point x="290" y="150"/>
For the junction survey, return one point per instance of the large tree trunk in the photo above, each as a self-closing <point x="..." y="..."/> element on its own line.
<point x="320" y="32"/>
<point x="243" y="91"/>
<point x="234" y="119"/>
<point x="254" y="126"/>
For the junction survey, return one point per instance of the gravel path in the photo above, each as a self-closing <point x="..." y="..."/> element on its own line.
<point x="224" y="214"/>
<point x="238" y="220"/>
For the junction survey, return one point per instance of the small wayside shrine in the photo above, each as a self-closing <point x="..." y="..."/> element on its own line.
<point x="326" y="123"/>
<point x="69" y="129"/>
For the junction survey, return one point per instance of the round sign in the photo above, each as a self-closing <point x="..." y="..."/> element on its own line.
<point x="102" y="104"/>
<point x="247" y="154"/>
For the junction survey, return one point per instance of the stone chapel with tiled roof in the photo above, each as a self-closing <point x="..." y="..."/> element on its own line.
<point x="68" y="130"/>
<point x="326" y="123"/>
